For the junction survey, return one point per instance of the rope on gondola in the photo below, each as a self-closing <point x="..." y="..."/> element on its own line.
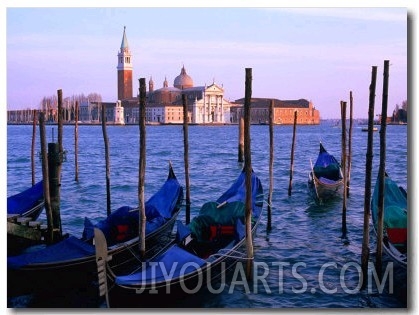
<point x="219" y="254"/>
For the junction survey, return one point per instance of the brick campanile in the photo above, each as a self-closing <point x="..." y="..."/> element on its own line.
<point x="124" y="70"/>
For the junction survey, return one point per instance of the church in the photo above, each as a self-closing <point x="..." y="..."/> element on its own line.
<point x="206" y="104"/>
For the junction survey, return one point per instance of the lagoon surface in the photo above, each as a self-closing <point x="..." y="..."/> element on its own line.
<point x="304" y="261"/>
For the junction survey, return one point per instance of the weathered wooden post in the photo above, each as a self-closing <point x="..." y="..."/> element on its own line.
<point x="107" y="163"/>
<point x="141" y="177"/>
<point x="45" y="177"/>
<point x="348" y="179"/>
<point x="76" y="142"/>
<point x="343" y="163"/>
<point x="60" y="126"/>
<point x="271" y="163"/>
<point x="382" y="170"/>
<point x="292" y="153"/>
<point x="241" y="140"/>
<point x="54" y="163"/>
<point x="368" y="168"/>
<point x="248" y="171"/>
<point x="186" y="158"/>
<point x="33" y="145"/>
<point x="55" y="158"/>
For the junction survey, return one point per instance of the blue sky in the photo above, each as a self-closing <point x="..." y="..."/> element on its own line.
<point x="320" y="54"/>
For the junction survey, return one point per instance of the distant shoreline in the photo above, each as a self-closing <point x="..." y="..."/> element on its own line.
<point x="153" y="124"/>
<point x="191" y="124"/>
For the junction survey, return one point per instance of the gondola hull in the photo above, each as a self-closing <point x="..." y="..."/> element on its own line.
<point x="81" y="272"/>
<point x="211" y="277"/>
<point x="200" y="256"/>
<point x="71" y="263"/>
<point x="325" y="180"/>
<point x="21" y="209"/>
<point x="324" y="190"/>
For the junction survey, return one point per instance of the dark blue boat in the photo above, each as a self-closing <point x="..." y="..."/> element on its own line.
<point x="203" y="251"/>
<point x="28" y="203"/>
<point x="325" y="180"/>
<point x="71" y="263"/>
<point x="23" y="208"/>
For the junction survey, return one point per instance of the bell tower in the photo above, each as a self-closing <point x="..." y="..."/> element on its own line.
<point x="124" y="70"/>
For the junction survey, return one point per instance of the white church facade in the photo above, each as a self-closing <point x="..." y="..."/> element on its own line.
<point x="206" y="104"/>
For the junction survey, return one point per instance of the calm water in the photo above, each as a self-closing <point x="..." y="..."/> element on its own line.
<point x="307" y="264"/>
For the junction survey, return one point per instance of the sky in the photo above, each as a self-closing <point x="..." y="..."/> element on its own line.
<point x="319" y="54"/>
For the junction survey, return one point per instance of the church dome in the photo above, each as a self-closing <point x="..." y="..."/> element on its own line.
<point x="183" y="81"/>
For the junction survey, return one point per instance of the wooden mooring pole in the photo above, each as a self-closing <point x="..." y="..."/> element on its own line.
<point x="368" y="169"/>
<point x="60" y="128"/>
<point x="248" y="171"/>
<point x="292" y="153"/>
<point x="241" y="140"/>
<point x="54" y="163"/>
<point x="55" y="159"/>
<point x="186" y="158"/>
<point x="382" y="170"/>
<point x="348" y="172"/>
<point x="76" y="142"/>
<point x="343" y="163"/>
<point x="107" y="163"/>
<point x="34" y="112"/>
<point x="45" y="177"/>
<point x="271" y="163"/>
<point x="141" y="176"/>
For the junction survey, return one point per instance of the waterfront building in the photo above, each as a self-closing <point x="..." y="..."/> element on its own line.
<point x="283" y="114"/>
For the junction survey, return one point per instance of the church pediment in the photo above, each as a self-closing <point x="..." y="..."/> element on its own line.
<point x="214" y="88"/>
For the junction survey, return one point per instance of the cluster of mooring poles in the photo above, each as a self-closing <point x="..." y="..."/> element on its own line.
<point x="381" y="174"/>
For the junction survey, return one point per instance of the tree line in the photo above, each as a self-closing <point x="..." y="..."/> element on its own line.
<point x="49" y="105"/>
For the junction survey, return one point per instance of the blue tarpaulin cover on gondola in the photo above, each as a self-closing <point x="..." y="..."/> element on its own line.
<point x="327" y="166"/>
<point x="24" y="201"/>
<point x="121" y="225"/>
<point x="157" y="210"/>
<point x="237" y="192"/>
<point x="182" y="231"/>
<point x="173" y="263"/>
<point x="70" y="248"/>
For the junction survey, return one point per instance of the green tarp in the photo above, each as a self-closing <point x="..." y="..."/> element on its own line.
<point x="395" y="205"/>
<point x="211" y="215"/>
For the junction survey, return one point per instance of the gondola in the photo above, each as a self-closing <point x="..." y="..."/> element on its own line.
<point x="71" y="263"/>
<point x="28" y="203"/>
<point x="325" y="180"/>
<point x="395" y="220"/>
<point x="212" y="243"/>
<point x="22" y="211"/>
